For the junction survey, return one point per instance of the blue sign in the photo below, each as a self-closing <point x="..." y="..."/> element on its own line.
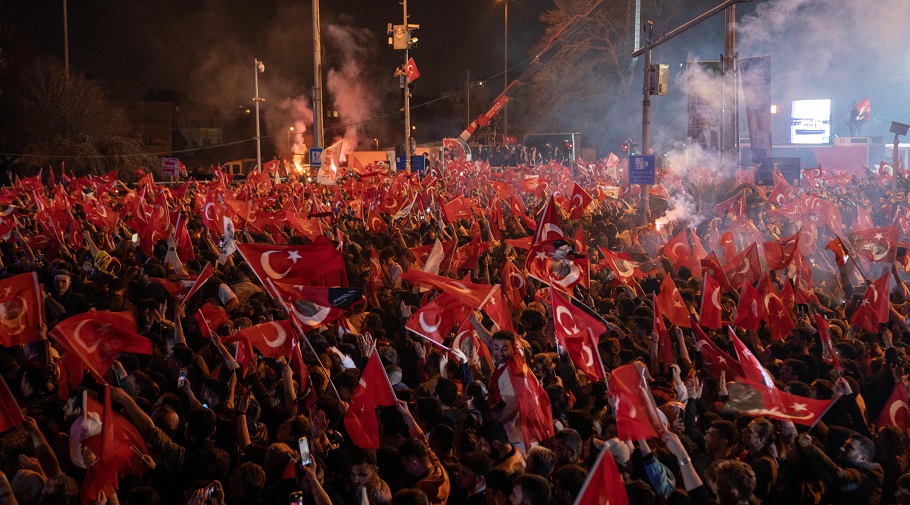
<point x="418" y="163"/>
<point x="316" y="156"/>
<point x="641" y="169"/>
<point x="401" y="163"/>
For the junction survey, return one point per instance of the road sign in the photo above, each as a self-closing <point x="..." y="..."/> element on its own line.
<point x="401" y="163"/>
<point x="170" y="167"/>
<point x="316" y="156"/>
<point x="641" y="169"/>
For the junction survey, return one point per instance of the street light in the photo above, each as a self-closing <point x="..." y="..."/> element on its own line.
<point x="377" y="143"/>
<point x="258" y="68"/>
<point x="505" y="71"/>
<point x="290" y="131"/>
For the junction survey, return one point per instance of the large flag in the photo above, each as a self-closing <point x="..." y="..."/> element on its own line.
<point x="715" y="359"/>
<point x="535" y="414"/>
<point x="210" y="318"/>
<point x="200" y="280"/>
<point x="671" y="303"/>
<point x="580" y="201"/>
<point x="498" y="310"/>
<point x="620" y="264"/>
<point x="747" y="311"/>
<point x="549" y="227"/>
<point x="677" y="249"/>
<point x="578" y="332"/>
<point x="556" y="267"/>
<point x="97" y="337"/>
<point x="102" y="475"/>
<point x="513" y="283"/>
<point x="745" y="266"/>
<point x="877" y="244"/>
<point x="127" y="439"/>
<point x="636" y="412"/>
<point x="465" y="292"/>
<point x="435" y="320"/>
<point x="603" y="484"/>
<point x="372" y="391"/>
<point x="21" y="310"/>
<point x="272" y="339"/>
<point x="756" y="399"/>
<point x="896" y="411"/>
<point x="296" y="263"/>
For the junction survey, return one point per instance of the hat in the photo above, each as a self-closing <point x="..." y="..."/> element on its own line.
<point x="619" y="450"/>
<point x="106" y="264"/>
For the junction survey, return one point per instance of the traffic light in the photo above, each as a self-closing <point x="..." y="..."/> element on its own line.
<point x="400" y="36"/>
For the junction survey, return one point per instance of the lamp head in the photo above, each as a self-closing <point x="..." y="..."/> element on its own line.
<point x="899" y="128"/>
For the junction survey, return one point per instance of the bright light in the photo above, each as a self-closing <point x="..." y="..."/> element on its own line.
<point x="775" y="109"/>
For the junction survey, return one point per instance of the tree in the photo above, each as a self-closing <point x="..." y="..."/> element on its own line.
<point x="51" y="119"/>
<point x="580" y="87"/>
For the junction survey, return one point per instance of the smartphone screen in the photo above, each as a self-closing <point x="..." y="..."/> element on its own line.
<point x="135" y="238"/>
<point x="304" y="446"/>
<point x="181" y="377"/>
<point x="295" y="498"/>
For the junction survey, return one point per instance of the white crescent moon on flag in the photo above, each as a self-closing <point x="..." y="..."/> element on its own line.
<point x="895" y="410"/>
<point x="280" y="336"/>
<point x="747" y="265"/>
<point x="577" y="200"/>
<point x="521" y="280"/>
<point x="754" y="308"/>
<point x="715" y="298"/>
<point x="427" y="328"/>
<point x="267" y="266"/>
<point x="624" y="270"/>
<point x="678" y="255"/>
<point x="549" y="228"/>
<point x="589" y="362"/>
<point x="77" y="334"/>
<point x="205" y="211"/>
<point x="314" y="320"/>
<point x="879" y="256"/>
<point x="560" y="311"/>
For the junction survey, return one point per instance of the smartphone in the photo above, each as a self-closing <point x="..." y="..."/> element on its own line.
<point x="181" y="377"/>
<point x="304" y="446"/>
<point x="295" y="498"/>
<point x="209" y="491"/>
<point x="135" y="238"/>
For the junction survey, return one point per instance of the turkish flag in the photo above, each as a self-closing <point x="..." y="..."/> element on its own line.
<point x="375" y="223"/>
<point x="467" y="256"/>
<point x="435" y="319"/>
<point x="127" y="438"/>
<point x="829" y="354"/>
<point x="498" y="311"/>
<point x="549" y="227"/>
<point x="744" y="267"/>
<point x="756" y="399"/>
<point x="603" y="483"/>
<point x="578" y="332"/>
<point x="710" y="304"/>
<point x="422" y="254"/>
<point x="314" y="306"/>
<point x="787" y="296"/>
<point x="896" y="411"/>
<point x="465" y="292"/>
<point x="272" y="339"/>
<point x="727" y="245"/>
<point x="184" y="242"/>
<point x="664" y="345"/>
<point x="372" y="391"/>
<point x="677" y="249"/>
<point x="780" y="195"/>
<point x="111" y="457"/>
<point x="410" y="70"/>
<point x="671" y="303"/>
<point x="535" y="414"/>
<point x="295" y="263"/>
<point x="863" y="220"/>
<point x="777" y="317"/>
<point x="752" y="368"/>
<point x="456" y="209"/>
<point x="622" y="267"/>
<point x="780" y="253"/>
<point x="747" y="311"/>
<point x="21" y="310"/>
<point x="636" y="412"/>
<point x="714" y="358"/>
<point x="580" y="201"/>
<point x="210" y="318"/>
<point x="200" y="280"/>
<point x="10" y="413"/>
<point x="96" y="337"/>
<point x="307" y="392"/>
<point x="877" y="244"/>
<point x="873" y="309"/>
<point x="513" y="283"/>
<point x="555" y="267"/>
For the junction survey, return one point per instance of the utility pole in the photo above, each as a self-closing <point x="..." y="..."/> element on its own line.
<point x="407" y="93"/>
<point x="258" y="68"/>
<point x="729" y="130"/>
<point x="318" y="114"/>
<point x="467" y="99"/>
<point x="66" y="42"/>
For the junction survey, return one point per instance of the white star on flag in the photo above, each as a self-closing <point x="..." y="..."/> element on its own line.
<point x="293" y="256"/>
<point x="799" y="407"/>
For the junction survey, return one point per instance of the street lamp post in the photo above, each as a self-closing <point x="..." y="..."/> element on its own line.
<point x="290" y="131"/>
<point x="505" y="72"/>
<point x="258" y="68"/>
<point x="377" y="143"/>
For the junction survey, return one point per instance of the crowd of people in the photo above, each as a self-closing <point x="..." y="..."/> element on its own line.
<point x="221" y="425"/>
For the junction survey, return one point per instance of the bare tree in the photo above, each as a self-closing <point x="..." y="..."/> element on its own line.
<point x="52" y="119"/>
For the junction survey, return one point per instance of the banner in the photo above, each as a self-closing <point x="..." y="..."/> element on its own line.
<point x="704" y="88"/>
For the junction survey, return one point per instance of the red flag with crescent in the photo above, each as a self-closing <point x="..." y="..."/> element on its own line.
<point x="498" y="311"/>
<point x="636" y="412"/>
<point x="580" y="201"/>
<point x="578" y="332"/>
<point x="97" y="337"/>
<point x="744" y="267"/>
<point x="435" y="320"/>
<point x="710" y="304"/>
<point x="467" y="293"/>
<point x="671" y="303"/>
<point x="873" y="309"/>
<point x="272" y="339"/>
<point x="295" y="263"/>
<point x="21" y="310"/>
<point x="877" y="244"/>
<point x="747" y="311"/>
<point x="314" y="306"/>
<point x="549" y="227"/>
<point x="753" y="398"/>
<point x="896" y="411"/>
<point x="714" y="358"/>
<point x="556" y="267"/>
<point x="513" y="283"/>
<point x="829" y="353"/>
<point x="752" y="368"/>
<point x="210" y="318"/>
<point x="410" y="70"/>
